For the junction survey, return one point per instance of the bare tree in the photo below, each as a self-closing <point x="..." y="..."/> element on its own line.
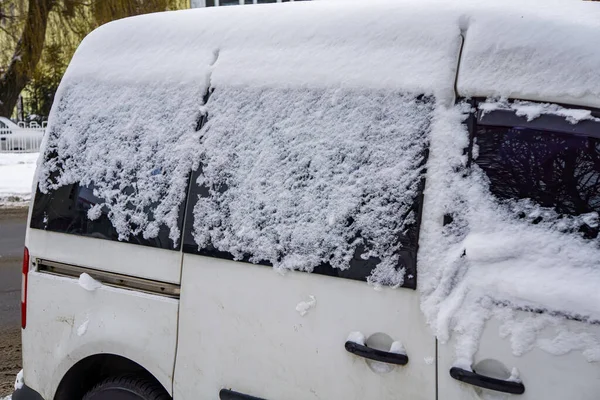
<point x="72" y="20"/>
<point x="26" y="55"/>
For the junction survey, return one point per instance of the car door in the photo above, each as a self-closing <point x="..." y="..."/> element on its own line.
<point x="310" y="179"/>
<point x="541" y="338"/>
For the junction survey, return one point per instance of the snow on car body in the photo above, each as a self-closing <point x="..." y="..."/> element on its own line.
<point x="379" y="146"/>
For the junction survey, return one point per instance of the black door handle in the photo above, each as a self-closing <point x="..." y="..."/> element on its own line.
<point x="376" y="355"/>
<point x="499" y="385"/>
<point x="228" y="394"/>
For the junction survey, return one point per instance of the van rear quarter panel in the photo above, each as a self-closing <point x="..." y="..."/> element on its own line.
<point x="67" y="323"/>
<point x="105" y="255"/>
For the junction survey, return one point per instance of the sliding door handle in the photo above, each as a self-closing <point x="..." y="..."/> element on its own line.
<point x="376" y="355"/>
<point x="486" y="382"/>
<point x="228" y="394"/>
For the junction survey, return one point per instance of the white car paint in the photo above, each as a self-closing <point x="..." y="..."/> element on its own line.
<point x="546" y="376"/>
<point x="7" y="127"/>
<point x="239" y="329"/>
<point x="106" y="255"/>
<point x="14" y="137"/>
<point x="6" y="123"/>
<point x="138" y="326"/>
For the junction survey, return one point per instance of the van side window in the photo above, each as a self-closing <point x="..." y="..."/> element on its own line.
<point x="322" y="181"/>
<point x="65" y="210"/>
<point x="135" y="153"/>
<point x="550" y="161"/>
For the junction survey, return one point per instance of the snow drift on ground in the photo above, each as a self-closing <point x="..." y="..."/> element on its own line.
<point x="16" y="177"/>
<point x="137" y="88"/>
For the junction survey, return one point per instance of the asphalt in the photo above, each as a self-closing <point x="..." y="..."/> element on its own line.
<point x="12" y="239"/>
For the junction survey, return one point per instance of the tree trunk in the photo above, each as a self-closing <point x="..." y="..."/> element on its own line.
<point x="26" y="56"/>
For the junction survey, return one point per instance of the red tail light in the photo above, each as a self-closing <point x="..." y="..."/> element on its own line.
<point x="24" y="288"/>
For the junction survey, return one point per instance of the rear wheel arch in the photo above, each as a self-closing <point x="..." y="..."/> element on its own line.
<point x="92" y="370"/>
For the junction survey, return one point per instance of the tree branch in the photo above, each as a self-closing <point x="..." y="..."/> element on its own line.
<point x="8" y="33"/>
<point x="26" y="56"/>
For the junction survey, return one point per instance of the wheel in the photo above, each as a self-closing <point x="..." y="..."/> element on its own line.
<point x="127" y="388"/>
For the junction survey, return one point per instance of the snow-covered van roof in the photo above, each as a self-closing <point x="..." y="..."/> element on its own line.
<point x="316" y="44"/>
<point x="541" y="51"/>
<point x="527" y="49"/>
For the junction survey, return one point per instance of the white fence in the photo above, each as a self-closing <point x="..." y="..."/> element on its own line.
<point x="21" y="140"/>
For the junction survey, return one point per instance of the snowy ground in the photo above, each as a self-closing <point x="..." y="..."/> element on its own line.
<point x="16" y="175"/>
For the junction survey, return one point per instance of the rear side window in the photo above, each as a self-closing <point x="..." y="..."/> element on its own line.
<point x="66" y="210"/>
<point x="552" y="161"/>
<point x="325" y="181"/>
<point x="118" y="159"/>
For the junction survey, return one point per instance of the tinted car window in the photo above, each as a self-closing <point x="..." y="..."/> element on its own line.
<point x="65" y="210"/>
<point x="359" y="268"/>
<point x="554" y="169"/>
<point x="360" y="264"/>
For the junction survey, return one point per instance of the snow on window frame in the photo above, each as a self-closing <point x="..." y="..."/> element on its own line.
<point x="530" y="210"/>
<point x="486" y="263"/>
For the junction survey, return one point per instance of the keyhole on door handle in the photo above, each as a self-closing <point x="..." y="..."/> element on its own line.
<point x="380" y="341"/>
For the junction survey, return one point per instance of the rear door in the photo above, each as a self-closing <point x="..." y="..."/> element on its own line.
<point x="328" y="181"/>
<point x="541" y="164"/>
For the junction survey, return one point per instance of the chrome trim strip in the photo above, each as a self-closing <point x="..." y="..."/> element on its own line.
<point x="109" y="278"/>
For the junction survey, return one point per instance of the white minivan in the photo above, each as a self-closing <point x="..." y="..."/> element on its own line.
<point x="321" y="200"/>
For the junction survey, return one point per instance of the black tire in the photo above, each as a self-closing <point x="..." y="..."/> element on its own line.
<point x="127" y="388"/>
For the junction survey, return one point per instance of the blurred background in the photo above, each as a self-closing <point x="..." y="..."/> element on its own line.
<point x="38" y="39"/>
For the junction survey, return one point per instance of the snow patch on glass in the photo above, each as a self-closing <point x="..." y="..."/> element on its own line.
<point x="531" y="110"/>
<point x="300" y="178"/>
<point x="133" y="143"/>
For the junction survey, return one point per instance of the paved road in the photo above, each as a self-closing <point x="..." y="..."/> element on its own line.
<point x="12" y="239"/>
